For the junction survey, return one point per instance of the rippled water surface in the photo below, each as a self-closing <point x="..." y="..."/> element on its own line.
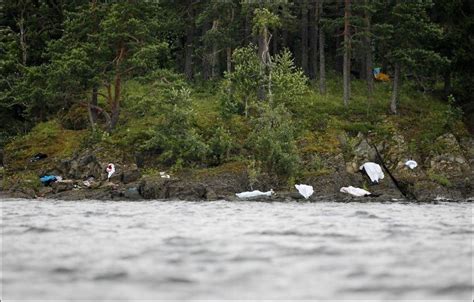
<point x="241" y="250"/>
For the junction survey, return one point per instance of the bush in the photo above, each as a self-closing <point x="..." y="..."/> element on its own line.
<point x="175" y="138"/>
<point x="272" y="141"/>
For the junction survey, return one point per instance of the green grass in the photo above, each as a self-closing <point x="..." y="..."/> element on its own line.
<point x="320" y="120"/>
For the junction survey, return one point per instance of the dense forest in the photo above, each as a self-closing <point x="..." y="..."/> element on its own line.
<point x="200" y="83"/>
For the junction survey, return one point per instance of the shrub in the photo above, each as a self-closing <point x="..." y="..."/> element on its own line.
<point x="175" y="138"/>
<point x="272" y="141"/>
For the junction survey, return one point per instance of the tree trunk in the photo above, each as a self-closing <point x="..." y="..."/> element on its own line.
<point x="188" y="64"/>
<point x="447" y="83"/>
<point x="368" y="52"/>
<point x="322" y="57"/>
<point x="206" y="71"/>
<point x="314" y="39"/>
<point x="346" y="72"/>
<point x="263" y="55"/>
<point x="304" y="36"/>
<point x="395" y="90"/>
<point x="94" y="104"/>
<point x="23" y="45"/>
<point x="229" y="59"/>
<point x="215" y="54"/>
<point x="116" y="102"/>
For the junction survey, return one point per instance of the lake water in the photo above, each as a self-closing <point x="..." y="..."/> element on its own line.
<point x="97" y="250"/>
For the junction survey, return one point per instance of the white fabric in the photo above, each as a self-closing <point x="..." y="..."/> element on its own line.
<point x="305" y="190"/>
<point x="110" y="170"/>
<point x="411" y="164"/>
<point x="164" y="175"/>
<point x="373" y="170"/>
<point x="354" y="191"/>
<point x="254" y="193"/>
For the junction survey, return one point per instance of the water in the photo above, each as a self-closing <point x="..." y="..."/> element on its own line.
<point x="243" y="250"/>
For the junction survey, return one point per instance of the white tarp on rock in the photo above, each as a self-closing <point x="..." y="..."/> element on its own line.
<point x="411" y="164"/>
<point x="254" y="193"/>
<point x="305" y="190"/>
<point x="373" y="170"/>
<point x="354" y="191"/>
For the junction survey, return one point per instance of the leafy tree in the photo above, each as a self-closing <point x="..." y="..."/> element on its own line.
<point x="175" y="138"/>
<point x="103" y="45"/>
<point x="410" y="37"/>
<point x="273" y="140"/>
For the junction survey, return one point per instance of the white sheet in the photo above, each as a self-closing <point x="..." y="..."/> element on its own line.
<point x="411" y="164"/>
<point x="355" y="191"/>
<point x="373" y="170"/>
<point x="254" y="193"/>
<point x="305" y="190"/>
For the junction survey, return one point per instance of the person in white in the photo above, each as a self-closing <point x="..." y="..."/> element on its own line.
<point x="110" y="170"/>
<point x="373" y="170"/>
<point x="305" y="190"/>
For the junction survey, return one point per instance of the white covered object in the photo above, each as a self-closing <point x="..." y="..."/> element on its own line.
<point x="373" y="170"/>
<point x="110" y="170"/>
<point x="354" y="191"/>
<point x="164" y="175"/>
<point x="305" y="190"/>
<point x="411" y="164"/>
<point x="254" y="193"/>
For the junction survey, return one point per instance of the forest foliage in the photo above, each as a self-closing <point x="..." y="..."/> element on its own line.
<point x="202" y="82"/>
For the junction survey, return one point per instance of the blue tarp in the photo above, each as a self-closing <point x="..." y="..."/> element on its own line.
<point x="47" y="179"/>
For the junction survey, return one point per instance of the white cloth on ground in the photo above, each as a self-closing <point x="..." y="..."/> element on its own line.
<point x="305" y="190"/>
<point x="373" y="170"/>
<point x="411" y="164"/>
<point x="254" y="193"/>
<point x="355" y="191"/>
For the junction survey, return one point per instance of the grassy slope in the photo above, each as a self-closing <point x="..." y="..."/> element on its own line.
<point x="320" y="121"/>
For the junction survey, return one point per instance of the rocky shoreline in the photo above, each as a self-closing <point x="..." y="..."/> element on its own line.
<point x="84" y="177"/>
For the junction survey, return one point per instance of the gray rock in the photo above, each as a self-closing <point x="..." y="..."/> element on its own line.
<point x="132" y="194"/>
<point x="62" y="186"/>
<point x="131" y="176"/>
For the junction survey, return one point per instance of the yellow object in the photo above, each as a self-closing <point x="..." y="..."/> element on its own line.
<point x="382" y="77"/>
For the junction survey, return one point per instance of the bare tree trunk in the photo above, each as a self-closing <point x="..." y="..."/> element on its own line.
<point x="304" y="36"/>
<point x="188" y="64"/>
<point x="368" y="52"/>
<point x="395" y="90"/>
<point x="346" y="72"/>
<point x="23" y="44"/>
<point x="263" y="54"/>
<point x="215" y="54"/>
<point x="206" y="71"/>
<point x="314" y="39"/>
<point x="94" y="104"/>
<point x="322" y="57"/>
<point x="229" y="59"/>
<point x="447" y="83"/>
<point x="114" y="117"/>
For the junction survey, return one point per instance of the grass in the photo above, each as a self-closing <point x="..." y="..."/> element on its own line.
<point x="320" y="121"/>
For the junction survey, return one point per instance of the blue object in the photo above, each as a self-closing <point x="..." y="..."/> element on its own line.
<point x="47" y="179"/>
<point x="376" y="71"/>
